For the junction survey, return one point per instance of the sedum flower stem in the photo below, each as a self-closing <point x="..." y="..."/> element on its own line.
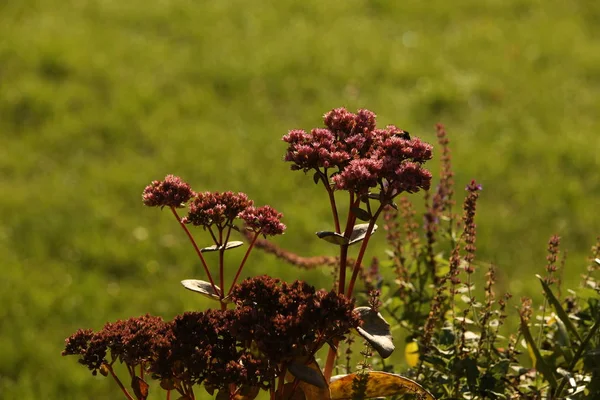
<point x="334" y="211"/>
<point x="112" y="372"/>
<point x="189" y="235"/>
<point x="237" y="275"/>
<point x="361" y="252"/>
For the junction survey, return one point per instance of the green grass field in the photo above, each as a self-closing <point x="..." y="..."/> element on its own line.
<point x="99" y="97"/>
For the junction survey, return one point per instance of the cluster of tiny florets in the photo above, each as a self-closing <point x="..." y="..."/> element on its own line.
<point x="289" y="320"/>
<point x="132" y="341"/>
<point x="362" y="156"/>
<point x="272" y="322"/>
<point x="202" y="349"/>
<point x="470" y="227"/>
<point x="265" y="220"/>
<point x="214" y="208"/>
<point x="170" y="192"/>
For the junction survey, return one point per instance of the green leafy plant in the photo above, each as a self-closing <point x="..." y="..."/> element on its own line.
<point x="455" y="346"/>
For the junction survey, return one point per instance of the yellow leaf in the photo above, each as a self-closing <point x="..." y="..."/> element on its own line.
<point x="379" y="384"/>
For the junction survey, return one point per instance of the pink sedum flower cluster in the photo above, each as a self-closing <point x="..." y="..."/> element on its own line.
<point x="358" y="157"/>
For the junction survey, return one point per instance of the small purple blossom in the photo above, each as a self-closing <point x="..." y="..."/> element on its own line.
<point x="473" y="187"/>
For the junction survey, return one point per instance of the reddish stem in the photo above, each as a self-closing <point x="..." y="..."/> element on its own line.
<point x="334" y="210"/>
<point x="221" y="244"/>
<point x="237" y="275"/>
<point x="331" y="356"/>
<point x="112" y="372"/>
<point x="198" y="252"/>
<point x="362" y="250"/>
<point x="351" y="220"/>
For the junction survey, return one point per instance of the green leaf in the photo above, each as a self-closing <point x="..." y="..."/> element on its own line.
<point x="308" y="374"/>
<point x="333" y="237"/>
<point x="376" y="331"/>
<point x="202" y="287"/>
<point x="379" y="384"/>
<point x="359" y="232"/>
<point x="560" y="312"/>
<point x="227" y="246"/>
<point x="540" y="363"/>
<point x="361" y="214"/>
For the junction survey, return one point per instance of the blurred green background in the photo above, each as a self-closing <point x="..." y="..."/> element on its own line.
<point x="99" y="97"/>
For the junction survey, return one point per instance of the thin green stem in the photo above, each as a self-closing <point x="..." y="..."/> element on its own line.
<point x="198" y="252"/>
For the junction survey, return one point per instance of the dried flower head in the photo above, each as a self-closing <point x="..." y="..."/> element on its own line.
<point x="289" y="320"/>
<point x="172" y="192"/>
<point x="132" y="341"/>
<point x="202" y="349"/>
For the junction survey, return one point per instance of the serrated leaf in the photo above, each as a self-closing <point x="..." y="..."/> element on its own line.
<point x="202" y="287"/>
<point x="379" y="384"/>
<point x="361" y="214"/>
<point x="307" y="374"/>
<point x="140" y="387"/>
<point x="560" y="312"/>
<point x="226" y="246"/>
<point x="359" y="232"/>
<point x="376" y="331"/>
<point x="332" y="237"/>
